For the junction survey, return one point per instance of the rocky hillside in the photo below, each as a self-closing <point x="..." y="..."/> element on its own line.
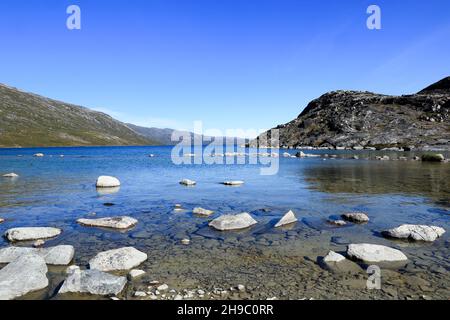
<point x="28" y="120"/>
<point x="365" y="119"/>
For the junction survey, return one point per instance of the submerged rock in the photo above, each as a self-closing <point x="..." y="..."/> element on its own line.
<point x="233" y="222"/>
<point x="27" y="273"/>
<point x="202" y="212"/>
<point x="58" y="255"/>
<point x="188" y="182"/>
<point x="31" y="233"/>
<point x="374" y="253"/>
<point x="233" y="183"/>
<point x="415" y="232"/>
<point x="110" y="222"/>
<point x="338" y="223"/>
<point x="118" y="259"/>
<point x="357" y="217"/>
<point x="93" y="282"/>
<point x="107" y="182"/>
<point x="288" y="218"/>
<point x="10" y="175"/>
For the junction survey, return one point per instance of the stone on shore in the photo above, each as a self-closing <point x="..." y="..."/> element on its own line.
<point x="93" y="282"/>
<point x="415" y="232"/>
<point x="202" y="212"/>
<point x="357" y="217"/>
<point x="110" y="222"/>
<point x="10" y="175"/>
<point x="233" y="183"/>
<point x="374" y="253"/>
<point x="107" y="182"/>
<point x="135" y="273"/>
<point x="58" y="256"/>
<point x="31" y="233"/>
<point x="288" y="218"/>
<point x="233" y="222"/>
<point x="28" y="273"/>
<point x="118" y="259"/>
<point x="188" y="182"/>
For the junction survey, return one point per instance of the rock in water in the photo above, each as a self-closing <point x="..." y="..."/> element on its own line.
<point x="433" y="157"/>
<point x="233" y="183"/>
<point x="357" y="217"/>
<point x="288" y="218"/>
<point x="93" y="282"/>
<point x="38" y="155"/>
<point x="31" y="233"/>
<point x="107" y="182"/>
<point x="374" y="253"/>
<point x="58" y="256"/>
<point x="233" y="222"/>
<point x="118" y="259"/>
<point x="188" y="182"/>
<point x="333" y="257"/>
<point x="10" y="175"/>
<point x="338" y="223"/>
<point x="2" y="220"/>
<point x="202" y="212"/>
<point x="26" y="274"/>
<point x="110" y="222"/>
<point x="415" y="232"/>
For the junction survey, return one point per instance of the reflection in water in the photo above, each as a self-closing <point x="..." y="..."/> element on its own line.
<point x="375" y="177"/>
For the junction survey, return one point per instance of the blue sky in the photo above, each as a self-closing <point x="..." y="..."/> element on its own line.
<point x="232" y="64"/>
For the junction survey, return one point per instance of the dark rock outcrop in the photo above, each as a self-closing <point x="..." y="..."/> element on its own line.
<point x="365" y="119"/>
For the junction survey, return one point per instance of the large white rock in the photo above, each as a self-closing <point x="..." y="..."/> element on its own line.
<point x="288" y="218"/>
<point x="93" y="282"/>
<point x="233" y="183"/>
<point x="202" y="212"/>
<point x="10" y="175"/>
<point x="26" y="274"/>
<point x="357" y="217"/>
<point x="233" y="222"/>
<point x="59" y="255"/>
<point x="110" y="222"/>
<point x="333" y="257"/>
<point x="374" y="253"/>
<point x="118" y="259"/>
<point x="31" y="233"/>
<point x="188" y="182"/>
<point x="415" y="232"/>
<point x="107" y="182"/>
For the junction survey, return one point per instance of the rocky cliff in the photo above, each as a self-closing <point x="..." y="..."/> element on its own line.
<point x="365" y="119"/>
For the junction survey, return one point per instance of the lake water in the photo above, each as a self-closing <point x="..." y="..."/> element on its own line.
<point x="282" y="263"/>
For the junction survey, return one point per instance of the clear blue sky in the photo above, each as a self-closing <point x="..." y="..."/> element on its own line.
<point x="233" y="64"/>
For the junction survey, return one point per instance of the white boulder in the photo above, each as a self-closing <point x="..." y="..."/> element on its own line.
<point x="415" y="232"/>
<point x="10" y="175"/>
<point x="333" y="257"/>
<point x="188" y="182"/>
<point x="58" y="255"/>
<point x="374" y="253"/>
<point x="93" y="282"/>
<point x="110" y="222"/>
<point x="357" y="217"/>
<point x="233" y="222"/>
<point x="288" y="218"/>
<point x="28" y="273"/>
<point x="31" y="233"/>
<point x="107" y="182"/>
<point x="118" y="259"/>
<point x="202" y="212"/>
<point x="233" y="183"/>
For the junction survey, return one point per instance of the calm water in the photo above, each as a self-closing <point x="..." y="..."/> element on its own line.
<point x="55" y="191"/>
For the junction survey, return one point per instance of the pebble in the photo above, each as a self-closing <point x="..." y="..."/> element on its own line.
<point x="163" y="287"/>
<point x="140" y="294"/>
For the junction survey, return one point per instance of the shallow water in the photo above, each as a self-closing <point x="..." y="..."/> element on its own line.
<point x="55" y="191"/>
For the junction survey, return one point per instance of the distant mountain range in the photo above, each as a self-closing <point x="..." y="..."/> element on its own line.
<point x="365" y="119"/>
<point x="30" y="120"/>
